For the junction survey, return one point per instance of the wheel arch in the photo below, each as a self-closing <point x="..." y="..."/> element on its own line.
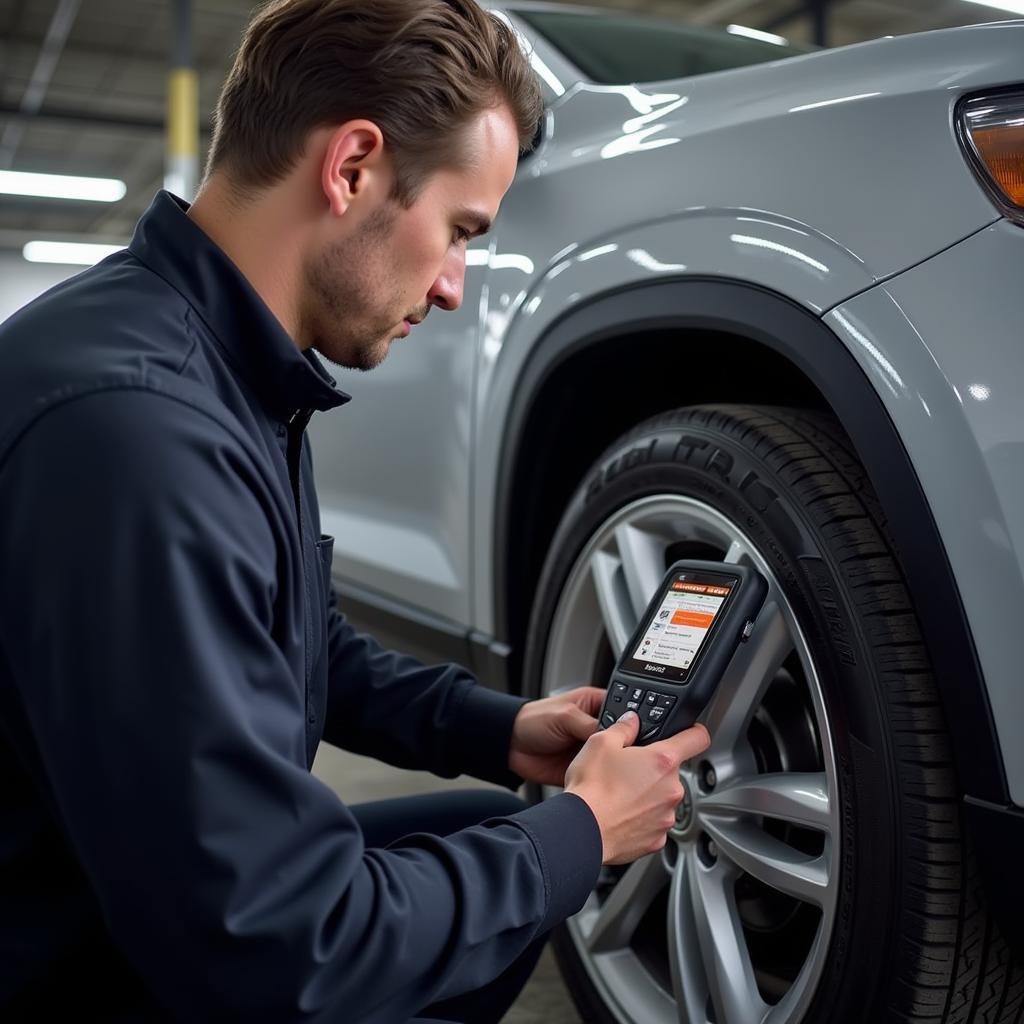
<point x="716" y="340"/>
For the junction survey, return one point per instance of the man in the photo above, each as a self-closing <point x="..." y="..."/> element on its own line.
<point x="170" y="656"/>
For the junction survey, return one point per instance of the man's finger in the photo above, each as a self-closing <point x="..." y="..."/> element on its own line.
<point x="591" y="698"/>
<point x="626" y="728"/>
<point x="688" y="743"/>
<point x="579" y="724"/>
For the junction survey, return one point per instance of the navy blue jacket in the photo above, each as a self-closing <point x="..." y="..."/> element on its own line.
<point x="170" y="657"/>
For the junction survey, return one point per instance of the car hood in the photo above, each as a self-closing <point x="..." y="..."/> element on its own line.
<point x="856" y="144"/>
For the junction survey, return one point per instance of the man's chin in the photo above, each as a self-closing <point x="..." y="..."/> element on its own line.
<point x="365" y="358"/>
<point x="374" y="357"/>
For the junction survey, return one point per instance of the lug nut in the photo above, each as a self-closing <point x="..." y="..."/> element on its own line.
<point x="707" y="851"/>
<point x="708" y="778"/>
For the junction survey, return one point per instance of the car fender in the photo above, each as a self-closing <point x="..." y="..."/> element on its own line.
<point x="813" y="348"/>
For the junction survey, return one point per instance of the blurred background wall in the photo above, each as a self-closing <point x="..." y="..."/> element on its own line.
<point x="124" y="91"/>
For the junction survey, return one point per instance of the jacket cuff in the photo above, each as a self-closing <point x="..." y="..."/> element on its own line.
<point x="484" y="727"/>
<point x="568" y="843"/>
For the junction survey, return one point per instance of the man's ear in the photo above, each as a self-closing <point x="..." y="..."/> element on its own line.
<point x="353" y="162"/>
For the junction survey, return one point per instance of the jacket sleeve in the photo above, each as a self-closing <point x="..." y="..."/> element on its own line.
<point x="136" y="602"/>
<point x="393" y="707"/>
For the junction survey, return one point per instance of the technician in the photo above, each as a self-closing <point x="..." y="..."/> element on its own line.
<point x="170" y="654"/>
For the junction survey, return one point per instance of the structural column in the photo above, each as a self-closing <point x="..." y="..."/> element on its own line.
<point x="181" y="175"/>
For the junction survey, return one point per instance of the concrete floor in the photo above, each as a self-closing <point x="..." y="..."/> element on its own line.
<point x="545" y="999"/>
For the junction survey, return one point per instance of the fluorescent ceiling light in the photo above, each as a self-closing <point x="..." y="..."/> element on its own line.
<point x="83" y="254"/>
<point x="1013" y="6"/>
<point x="756" y="33"/>
<point x="61" y="186"/>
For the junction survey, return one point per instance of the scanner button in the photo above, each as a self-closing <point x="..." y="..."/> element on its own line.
<point x="655" y="714"/>
<point x="619" y="688"/>
<point x="649" y="734"/>
<point x="666" y="700"/>
<point x="651" y="698"/>
<point x="607" y="719"/>
<point x="636" y="694"/>
<point x="632" y="705"/>
<point x="616" y="699"/>
<point x="747" y="630"/>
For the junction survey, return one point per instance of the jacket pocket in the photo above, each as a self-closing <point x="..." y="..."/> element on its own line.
<point x="325" y="559"/>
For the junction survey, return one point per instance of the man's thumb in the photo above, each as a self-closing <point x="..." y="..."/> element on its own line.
<point x="629" y="725"/>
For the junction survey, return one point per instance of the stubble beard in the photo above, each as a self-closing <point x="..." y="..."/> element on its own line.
<point x="341" y="284"/>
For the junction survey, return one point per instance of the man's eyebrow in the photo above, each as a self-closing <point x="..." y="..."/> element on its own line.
<point x="471" y="217"/>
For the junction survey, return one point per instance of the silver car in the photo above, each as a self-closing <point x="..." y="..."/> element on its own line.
<point x="755" y="305"/>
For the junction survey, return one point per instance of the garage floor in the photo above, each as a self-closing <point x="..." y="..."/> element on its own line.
<point x="354" y="778"/>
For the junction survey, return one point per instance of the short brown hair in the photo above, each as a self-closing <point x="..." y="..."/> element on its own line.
<point x="422" y="70"/>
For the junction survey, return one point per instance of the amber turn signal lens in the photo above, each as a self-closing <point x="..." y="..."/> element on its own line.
<point x="1002" y="151"/>
<point x="992" y="130"/>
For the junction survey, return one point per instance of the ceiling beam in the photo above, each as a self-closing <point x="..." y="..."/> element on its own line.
<point x="75" y="118"/>
<point x="16" y="45"/>
<point x="35" y="92"/>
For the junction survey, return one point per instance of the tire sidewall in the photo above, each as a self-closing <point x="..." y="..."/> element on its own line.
<point x="708" y="459"/>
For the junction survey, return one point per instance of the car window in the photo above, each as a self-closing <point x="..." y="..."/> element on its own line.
<point x="618" y="49"/>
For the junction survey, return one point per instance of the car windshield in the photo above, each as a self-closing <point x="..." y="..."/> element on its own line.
<point x="618" y="49"/>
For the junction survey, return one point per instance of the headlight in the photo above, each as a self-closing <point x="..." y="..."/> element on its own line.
<point x="991" y="130"/>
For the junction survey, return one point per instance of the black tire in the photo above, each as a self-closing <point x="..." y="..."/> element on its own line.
<point x="912" y="940"/>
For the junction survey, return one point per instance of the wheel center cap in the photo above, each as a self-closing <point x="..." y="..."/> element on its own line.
<point x="685" y="809"/>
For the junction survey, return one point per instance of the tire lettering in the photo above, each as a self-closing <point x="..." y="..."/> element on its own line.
<point x="637" y="456"/>
<point x="720" y="462"/>
<point x="690" y="444"/>
<point x="834" y="617"/>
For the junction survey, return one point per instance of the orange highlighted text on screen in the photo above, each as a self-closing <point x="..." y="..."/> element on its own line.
<point x="700" y="619"/>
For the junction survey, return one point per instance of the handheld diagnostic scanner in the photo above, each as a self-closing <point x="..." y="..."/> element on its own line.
<point x="669" y="670"/>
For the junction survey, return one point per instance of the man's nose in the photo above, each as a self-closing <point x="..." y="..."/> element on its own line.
<point x="446" y="291"/>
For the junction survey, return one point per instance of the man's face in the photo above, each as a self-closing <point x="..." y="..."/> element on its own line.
<point x="398" y="263"/>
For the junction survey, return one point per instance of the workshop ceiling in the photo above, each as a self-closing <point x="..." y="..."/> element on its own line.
<point x="101" y="111"/>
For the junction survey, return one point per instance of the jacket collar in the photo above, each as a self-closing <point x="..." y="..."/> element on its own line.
<point x="251" y="337"/>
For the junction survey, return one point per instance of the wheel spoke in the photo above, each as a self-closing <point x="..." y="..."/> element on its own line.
<point x="689" y="986"/>
<point x="751" y="670"/>
<point x="730" y="976"/>
<point x="643" y="562"/>
<point x="788" y="1007"/>
<point x="735" y="553"/>
<point x="799" y="797"/>
<point x="778" y="865"/>
<point x="616" y="611"/>
<point x="626" y="904"/>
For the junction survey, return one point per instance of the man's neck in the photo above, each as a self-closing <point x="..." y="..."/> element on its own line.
<point x="253" y="237"/>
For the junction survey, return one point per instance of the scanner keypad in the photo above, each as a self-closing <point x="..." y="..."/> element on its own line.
<point x="650" y="705"/>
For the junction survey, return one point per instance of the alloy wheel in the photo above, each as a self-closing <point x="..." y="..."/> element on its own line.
<point x="730" y="922"/>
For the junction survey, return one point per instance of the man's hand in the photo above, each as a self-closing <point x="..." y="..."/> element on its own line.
<point x="548" y="734"/>
<point x="633" y="791"/>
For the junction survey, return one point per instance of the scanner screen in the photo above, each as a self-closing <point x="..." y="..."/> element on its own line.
<point x="679" y="626"/>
